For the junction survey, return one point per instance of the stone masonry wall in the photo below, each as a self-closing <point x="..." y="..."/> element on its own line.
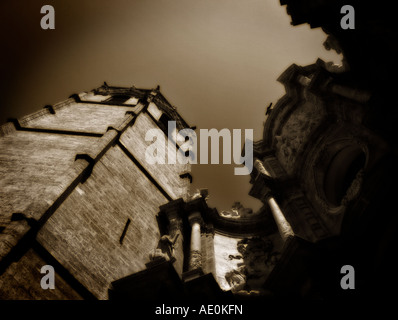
<point x="22" y="279"/>
<point x="167" y="175"/>
<point x="80" y="117"/>
<point x="85" y="193"/>
<point x="84" y="233"/>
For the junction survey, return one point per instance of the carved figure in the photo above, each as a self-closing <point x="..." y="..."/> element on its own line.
<point x="165" y="248"/>
<point x="236" y="278"/>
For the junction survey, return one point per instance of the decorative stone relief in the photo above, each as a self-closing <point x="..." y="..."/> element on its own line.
<point x="259" y="256"/>
<point x="296" y="132"/>
<point x="195" y="260"/>
<point x="237" y="211"/>
<point x="165" y="248"/>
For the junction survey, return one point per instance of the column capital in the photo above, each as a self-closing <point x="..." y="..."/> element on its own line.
<point x="195" y="217"/>
<point x="262" y="188"/>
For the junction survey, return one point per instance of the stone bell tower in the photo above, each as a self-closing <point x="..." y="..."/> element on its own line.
<point x="78" y="194"/>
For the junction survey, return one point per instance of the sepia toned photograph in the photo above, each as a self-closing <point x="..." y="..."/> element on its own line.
<point x="198" y="158"/>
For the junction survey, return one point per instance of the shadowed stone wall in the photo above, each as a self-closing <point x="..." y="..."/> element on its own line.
<point x="75" y="184"/>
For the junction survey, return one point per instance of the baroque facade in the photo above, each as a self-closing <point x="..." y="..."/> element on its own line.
<point x="328" y="158"/>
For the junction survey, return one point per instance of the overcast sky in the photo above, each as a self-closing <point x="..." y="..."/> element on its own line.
<point x="217" y="61"/>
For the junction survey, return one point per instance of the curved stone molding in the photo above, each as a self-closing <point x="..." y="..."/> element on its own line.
<point x="260" y="222"/>
<point x="322" y="159"/>
<point x="237" y="211"/>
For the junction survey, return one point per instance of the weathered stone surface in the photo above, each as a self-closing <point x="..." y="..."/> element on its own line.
<point x="257" y="257"/>
<point x="167" y="175"/>
<point x="83" y="234"/>
<point x="33" y="167"/>
<point x="80" y="117"/>
<point x="21" y="281"/>
<point x="207" y="251"/>
<point x="224" y="247"/>
<point x="92" y="200"/>
<point x="297" y="130"/>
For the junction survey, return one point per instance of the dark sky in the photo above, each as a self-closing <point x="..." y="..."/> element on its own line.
<point x="217" y="61"/>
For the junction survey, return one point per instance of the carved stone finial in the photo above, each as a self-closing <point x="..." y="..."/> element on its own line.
<point x="204" y="193"/>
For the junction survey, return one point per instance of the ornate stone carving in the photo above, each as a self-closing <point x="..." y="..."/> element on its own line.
<point x="165" y="248"/>
<point x="200" y="193"/>
<point x="237" y="211"/>
<point x="236" y="279"/>
<point x="195" y="260"/>
<point x="195" y="217"/>
<point x="258" y="257"/>
<point x="175" y="225"/>
<point x="296" y="132"/>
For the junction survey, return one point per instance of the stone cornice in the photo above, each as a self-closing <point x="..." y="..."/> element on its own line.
<point x="260" y="222"/>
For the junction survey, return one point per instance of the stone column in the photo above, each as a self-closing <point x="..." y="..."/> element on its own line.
<point x="262" y="189"/>
<point x="195" y="255"/>
<point x="285" y="230"/>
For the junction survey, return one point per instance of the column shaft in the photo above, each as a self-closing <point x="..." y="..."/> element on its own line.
<point x="195" y="258"/>
<point x="285" y="230"/>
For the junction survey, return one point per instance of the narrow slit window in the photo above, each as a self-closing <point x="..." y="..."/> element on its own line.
<point x="124" y="231"/>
